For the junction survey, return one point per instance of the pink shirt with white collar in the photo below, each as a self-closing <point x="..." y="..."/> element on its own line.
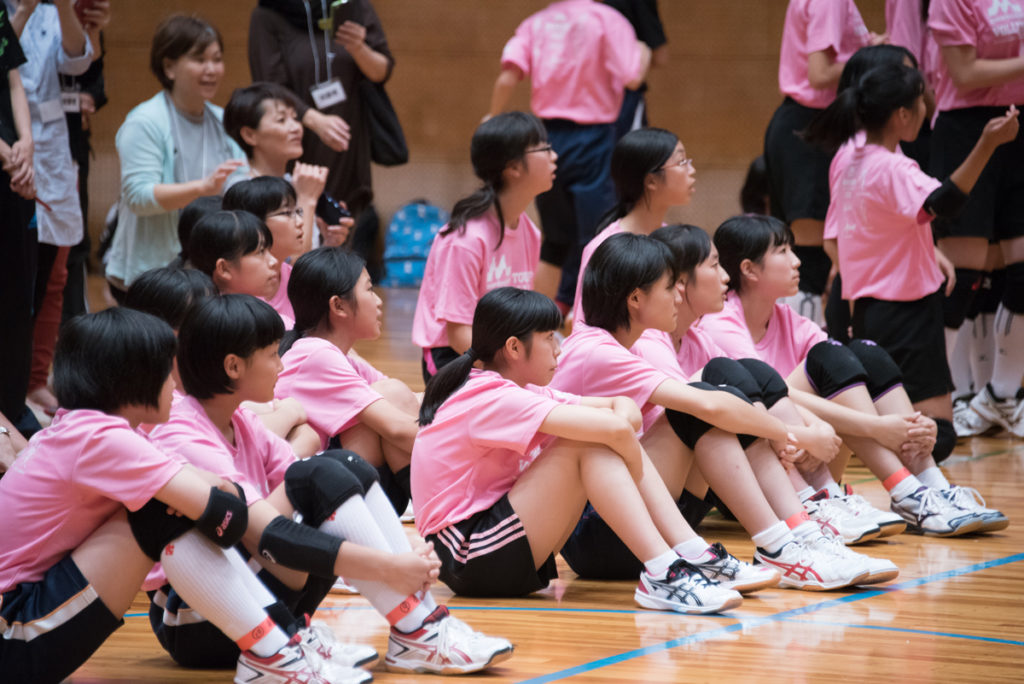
<point x="579" y="55"/>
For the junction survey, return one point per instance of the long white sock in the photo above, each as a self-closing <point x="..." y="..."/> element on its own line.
<point x="983" y="349"/>
<point x="933" y="477"/>
<point x="219" y="589"/>
<point x="387" y="520"/>
<point x="959" y="357"/>
<point x="1009" y="360"/>
<point x="354" y="521"/>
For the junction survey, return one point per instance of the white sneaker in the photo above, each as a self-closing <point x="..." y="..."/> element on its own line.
<point x="888" y="522"/>
<point x="444" y="645"/>
<point x="732" y="573"/>
<point x="966" y="421"/>
<point x="928" y="512"/>
<point x="684" y="589"/>
<point x="294" y="664"/>
<point x="814" y="565"/>
<point x="1008" y="413"/>
<point x="317" y="636"/>
<point x="968" y="499"/>
<point x="879" y="569"/>
<point x="833" y="516"/>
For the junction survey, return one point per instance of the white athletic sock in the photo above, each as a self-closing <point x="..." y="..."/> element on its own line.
<point x="387" y="520"/>
<point x="982" y="349"/>
<point x="354" y="522"/>
<point x="806" y="531"/>
<point x="833" y="489"/>
<point x="773" y="538"/>
<point x="658" y="566"/>
<point x="219" y="590"/>
<point x="1009" y="360"/>
<point x="905" y="487"/>
<point x="694" y="550"/>
<point x="933" y="477"/>
<point x="806" y="493"/>
<point x="958" y="354"/>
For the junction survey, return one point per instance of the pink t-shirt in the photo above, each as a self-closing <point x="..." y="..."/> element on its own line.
<point x="481" y="439"/>
<point x="813" y="26"/>
<point x="70" y="479"/>
<point x="695" y="350"/>
<point x="588" y="251"/>
<point x="256" y="461"/>
<point x="905" y="26"/>
<point x="785" y="343"/>
<point x="579" y="55"/>
<point x="282" y="305"/>
<point x="332" y="387"/>
<point x="463" y="268"/>
<point x="594" y="364"/>
<point x="885" y="239"/>
<point x="996" y="30"/>
<point x="657" y="348"/>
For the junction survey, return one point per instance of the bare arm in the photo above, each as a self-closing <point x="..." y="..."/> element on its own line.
<point x="373" y="64"/>
<point x="504" y="86"/>
<point x="391" y="423"/>
<point x="996" y="132"/>
<point x="823" y="71"/>
<point x="189" y="491"/>
<point x="623" y="407"/>
<point x="460" y="336"/>
<point x="721" y="409"/>
<point x="645" y="65"/>
<point x="968" y="72"/>
<point x="72" y="34"/>
<point x="585" y="424"/>
<point x="173" y="196"/>
<point x="21" y="14"/>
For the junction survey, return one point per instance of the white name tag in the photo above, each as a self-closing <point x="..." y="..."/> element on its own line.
<point x="71" y="101"/>
<point x="51" y="110"/>
<point x="328" y="94"/>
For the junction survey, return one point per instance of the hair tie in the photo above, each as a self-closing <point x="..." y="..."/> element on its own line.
<point x="471" y="353"/>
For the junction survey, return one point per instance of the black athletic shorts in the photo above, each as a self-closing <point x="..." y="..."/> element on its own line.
<point x="488" y="554"/>
<point x="912" y="333"/>
<point x="995" y="207"/>
<point x="797" y="171"/>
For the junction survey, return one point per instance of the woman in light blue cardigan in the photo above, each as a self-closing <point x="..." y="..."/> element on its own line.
<point x="172" y="147"/>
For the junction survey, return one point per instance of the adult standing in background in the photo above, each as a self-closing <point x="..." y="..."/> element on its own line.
<point x="643" y="15"/>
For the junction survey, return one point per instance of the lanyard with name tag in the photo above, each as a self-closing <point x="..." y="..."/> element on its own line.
<point x="71" y="101"/>
<point x="328" y="94"/>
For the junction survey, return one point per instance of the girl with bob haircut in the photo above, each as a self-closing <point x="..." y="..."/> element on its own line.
<point x="652" y="174"/>
<point x="75" y="556"/>
<point x="630" y="286"/>
<point x="489" y="241"/>
<point x="229" y="356"/>
<point x="857" y="388"/>
<point x="172" y="147"/>
<point x="348" y="402"/>
<point x="503" y="467"/>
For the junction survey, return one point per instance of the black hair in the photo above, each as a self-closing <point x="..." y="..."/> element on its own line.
<point x="168" y="293"/>
<point x="497" y="142"/>
<point x="176" y="36"/>
<point x="261" y="196"/>
<point x="317" y="276"/>
<point x="756" y="188"/>
<point x="868" y="105"/>
<point x="248" y="105"/>
<point x="620" y="265"/>
<point x="637" y="154"/>
<point x="112" y="359"/>
<point x="230" y="324"/>
<point x="867" y="58"/>
<point x="228" y="235"/>
<point x="502" y="313"/>
<point x="690" y="246"/>
<point x="189" y="216"/>
<point x="748" y="236"/>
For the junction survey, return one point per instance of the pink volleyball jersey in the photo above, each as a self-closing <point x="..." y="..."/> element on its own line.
<point x="70" y="479"/>
<point x="481" y="439"/>
<point x="463" y="268"/>
<point x="579" y="55"/>
<point x="906" y="26"/>
<point x="333" y="388"/>
<point x="815" y="26"/>
<point x="995" y="28"/>
<point x="785" y="343"/>
<point x="282" y="305"/>
<point x="594" y="364"/>
<point x="885" y="238"/>
<point x="588" y="251"/>
<point x="256" y="461"/>
<point x="657" y="348"/>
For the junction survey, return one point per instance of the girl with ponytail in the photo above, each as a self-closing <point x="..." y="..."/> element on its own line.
<point x="489" y="241"/>
<point x="652" y="174"/>
<point x="348" y="402"/>
<point x="503" y="467"/>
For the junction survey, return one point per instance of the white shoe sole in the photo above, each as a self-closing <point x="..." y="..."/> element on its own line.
<point x="451" y="669"/>
<point x="655" y="603"/>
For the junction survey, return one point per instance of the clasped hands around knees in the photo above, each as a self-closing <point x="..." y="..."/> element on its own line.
<point x="412" y="571"/>
<point x="909" y="436"/>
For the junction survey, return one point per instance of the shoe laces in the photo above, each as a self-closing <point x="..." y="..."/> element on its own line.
<point x="857" y="504"/>
<point x="682" y="571"/>
<point x="966" y="498"/>
<point x="725" y="563"/>
<point x="452" y="631"/>
<point x="932" y="502"/>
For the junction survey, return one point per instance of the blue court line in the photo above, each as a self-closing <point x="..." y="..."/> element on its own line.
<point x="904" y="630"/>
<point x="752" y="623"/>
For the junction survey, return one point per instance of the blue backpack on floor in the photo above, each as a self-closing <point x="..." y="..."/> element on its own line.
<point x="407" y="243"/>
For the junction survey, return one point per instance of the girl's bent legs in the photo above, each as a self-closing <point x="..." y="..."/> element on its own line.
<point x="113" y="563"/>
<point x="726" y="469"/>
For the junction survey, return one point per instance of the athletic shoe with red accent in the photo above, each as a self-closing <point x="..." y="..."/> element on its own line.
<point x="444" y="645"/>
<point x="318" y="636"/>
<point x="732" y="573"/>
<point x="879" y="569"/>
<point x="684" y="589"/>
<point x="814" y="565"/>
<point x="834" y="517"/>
<point x="295" y="664"/>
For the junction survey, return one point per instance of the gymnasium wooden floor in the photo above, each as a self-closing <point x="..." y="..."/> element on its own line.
<point x="955" y="613"/>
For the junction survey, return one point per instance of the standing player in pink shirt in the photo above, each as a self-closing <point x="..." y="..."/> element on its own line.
<point x="489" y="241"/>
<point x="579" y="55"/>
<point x="817" y="38"/>
<point x="72" y="561"/>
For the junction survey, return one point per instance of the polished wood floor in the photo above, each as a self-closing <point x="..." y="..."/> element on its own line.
<point x="955" y="613"/>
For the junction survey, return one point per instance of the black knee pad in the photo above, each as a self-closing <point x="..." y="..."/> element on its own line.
<point x="154" y="529"/>
<point x="1013" y="289"/>
<point x="814" y="268"/>
<point x="726" y="371"/>
<point x="772" y="386"/>
<point x="224" y="521"/>
<point x="991" y="292"/>
<point x="554" y="253"/>
<point x="689" y="429"/>
<point x="317" y="486"/>
<point x="945" y="440"/>
<point x="956" y="305"/>
<point x="354" y="463"/>
<point x="832" y="368"/>
<point x="883" y="373"/>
